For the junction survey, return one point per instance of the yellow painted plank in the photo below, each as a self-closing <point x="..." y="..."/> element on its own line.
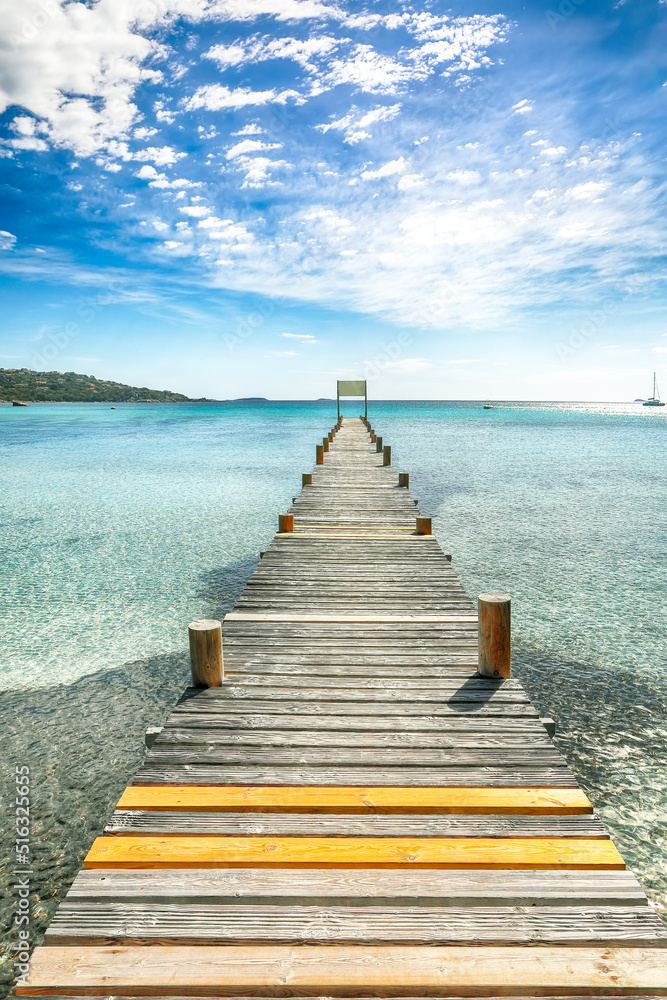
<point x="149" y="851"/>
<point x="353" y="969"/>
<point x="320" y="799"/>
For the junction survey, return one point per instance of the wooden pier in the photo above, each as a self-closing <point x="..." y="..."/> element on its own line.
<point x="353" y="811"/>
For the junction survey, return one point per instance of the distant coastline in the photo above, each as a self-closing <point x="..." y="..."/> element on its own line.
<point x="26" y="386"/>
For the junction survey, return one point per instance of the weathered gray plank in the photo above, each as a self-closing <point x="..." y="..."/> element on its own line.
<point x="306" y="824"/>
<point x="201" y="774"/>
<point x="327" y="886"/>
<point x="126" y="922"/>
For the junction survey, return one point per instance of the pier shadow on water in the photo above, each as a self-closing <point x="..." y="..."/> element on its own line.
<point x="611" y="726"/>
<point x="83" y="742"/>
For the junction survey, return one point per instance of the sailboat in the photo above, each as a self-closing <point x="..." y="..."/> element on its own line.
<point x="654" y="400"/>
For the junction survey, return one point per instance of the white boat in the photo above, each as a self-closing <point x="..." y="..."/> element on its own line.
<point x="654" y="400"/>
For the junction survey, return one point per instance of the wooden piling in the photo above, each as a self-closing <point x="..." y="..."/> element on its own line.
<point x="306" y="479"/>
<point x="319" y="454"/>
<point x="206" y="653"/>
<point x="285" y="522"/>
<point x="325" y="443"/>
<point x="404" y="479"/>
<point x="494" y="641"/>
<point x="424" y="526"/>
<point x="386" y="455"/>
<point x="378" y="444"/>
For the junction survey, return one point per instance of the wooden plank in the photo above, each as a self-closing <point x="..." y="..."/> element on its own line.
<point x="477" y="739"/>
<point x="343" y="852"/>
<point x="245" y="616"/>
<point x="490" y="777"/>
<point x="132" y="822"/>
<point x="390" y="723"/>
<point x="111" y="922"/>
<point x="356" y="886"/>
<point x="366" y="708"/>
<point x="545" y="756"/>
<point x="532" y="801"/>
<point x="347" y="970"/>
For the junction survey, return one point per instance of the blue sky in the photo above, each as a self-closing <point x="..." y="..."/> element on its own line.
<point x="255" y="197"/>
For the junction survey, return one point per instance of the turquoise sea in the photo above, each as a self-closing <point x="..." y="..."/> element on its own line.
<point x="121" y="526"/>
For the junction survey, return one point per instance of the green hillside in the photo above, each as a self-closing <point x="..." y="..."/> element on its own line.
<point x="69" y="387"/>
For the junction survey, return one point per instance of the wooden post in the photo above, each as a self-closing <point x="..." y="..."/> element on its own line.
<point x="378" y="444"/>
<point x="372" y="437"/>
<point x="319" y="454"/>
<point x="330" y="437"/>
<point x="495" y="633"/>
<point x="404" y="479"/>
<point x="386" y="455"/>
<point x="424" y="526"/>
<point x="285" y="522"/>
<point x="325" y="443"/>
<point x="206" y="653"/>
<point x="306" y="479"/>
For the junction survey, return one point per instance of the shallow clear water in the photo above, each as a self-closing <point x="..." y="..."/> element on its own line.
<point x="118" y="527"/>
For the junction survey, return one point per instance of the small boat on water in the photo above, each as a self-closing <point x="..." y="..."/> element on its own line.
<point x="488" y="406"/>
<point x="654" y="400"/>
<point x="17" y="402"/>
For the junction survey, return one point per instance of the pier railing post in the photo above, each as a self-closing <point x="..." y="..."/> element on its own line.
<point x="378" y="444"/>
<point x="495" y="631"/>
<point x="206" y="653"/>
<point x="285" y="522"/>
<point x="306" y="479"/>
<point x="404" y="479"/>
<point x="424" y="526"/>
<point x="325" y="443"/>
<point x="386" y="455"/>
<point x="319" y="454"/>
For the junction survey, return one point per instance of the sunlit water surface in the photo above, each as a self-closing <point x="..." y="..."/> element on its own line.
<point x="118" y="527"/>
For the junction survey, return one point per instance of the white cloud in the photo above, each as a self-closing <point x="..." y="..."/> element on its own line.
<point x="465" y="177"/>
<point x="554" y="152"/>
<point x="158" y="180"/>
<point x="196" y="211"/>
<point x="164" y="155"/>
<point x="589" y="191"/>
<point x="7" y="240"/>
<point x="409" y="181"/>
<point x="216" y="96"/>
<point x="355" y="124"/>
<point x="75" y="67"/>
<point x="250" y="146"/>
<point x="144" y="133"/>
<point x="306" y="338"/>
<point x="250" y="129"/>
<point x="369" y="71"/>
<point x="389" y="169"/>
<point x="172" y="244"/>
<point x="306" y="52"/>
<point x="523" y="107"/>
